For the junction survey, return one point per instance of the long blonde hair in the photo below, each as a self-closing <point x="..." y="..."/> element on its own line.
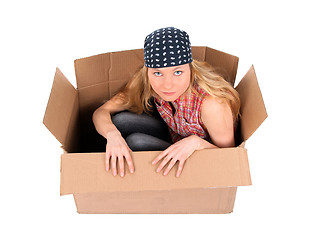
<point x="136" y="95"/>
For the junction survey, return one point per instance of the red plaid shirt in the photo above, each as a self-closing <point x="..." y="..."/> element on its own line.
<point x="187" y="118"/>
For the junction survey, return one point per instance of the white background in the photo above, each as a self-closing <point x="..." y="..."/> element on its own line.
<point x="278" y="37"/>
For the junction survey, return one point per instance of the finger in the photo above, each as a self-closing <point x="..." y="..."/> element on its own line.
<point x="163" y="163"/>
<point x="121" y="165"/>
<point x="158" y="158"/>
<point x="180" y="167"/>
<point x="171" y="164"/>
<point x="161" y="155"/>
<point x="107" y="161"/>
<point x="129" y="162"/>
<point x="113" y="164"/>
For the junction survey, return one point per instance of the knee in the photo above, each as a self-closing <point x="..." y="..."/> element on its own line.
<point x="135" y="141"/>
<point x="120" y="118"/>
<point x="143" y="142"/>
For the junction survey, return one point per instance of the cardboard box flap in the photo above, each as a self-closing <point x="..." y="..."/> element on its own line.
<point x="61" y="115"/>
<point x="224" y="63"/>
<point x="253" y="111"/>
<point x="83" y="173"/>
<point x="92" y="70"/>
<point x="121" y="66"/>
<point x="198" y="53"/>
<point x="108" y="68"/>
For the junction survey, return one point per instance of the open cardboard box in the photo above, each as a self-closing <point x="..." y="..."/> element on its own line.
<point x="210" y="177"/>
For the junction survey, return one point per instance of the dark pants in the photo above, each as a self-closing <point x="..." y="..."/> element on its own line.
<point x="142" y="132"/>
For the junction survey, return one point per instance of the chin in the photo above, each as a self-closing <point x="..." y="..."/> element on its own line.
<point x="170" y="98"/>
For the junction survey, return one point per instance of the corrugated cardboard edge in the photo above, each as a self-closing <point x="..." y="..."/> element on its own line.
<point x="85" y="172"/>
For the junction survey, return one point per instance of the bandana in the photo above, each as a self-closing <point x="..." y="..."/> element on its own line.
<point x="167" y="47"/>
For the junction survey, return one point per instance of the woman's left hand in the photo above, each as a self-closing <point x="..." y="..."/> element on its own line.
<point x="179" y="151"/>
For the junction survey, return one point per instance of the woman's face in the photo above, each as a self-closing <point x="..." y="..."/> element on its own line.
<point x="170" y="82"/>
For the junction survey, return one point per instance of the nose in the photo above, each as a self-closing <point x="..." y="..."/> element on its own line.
<point x="168" y="83"/>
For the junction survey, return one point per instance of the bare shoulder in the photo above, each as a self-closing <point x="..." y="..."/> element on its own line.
<point x="216" y="114"/>
<point x="214" y="106"/>
<point x="217" y="117"/>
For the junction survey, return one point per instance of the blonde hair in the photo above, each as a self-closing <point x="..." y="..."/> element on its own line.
<point x="136" y="95"/>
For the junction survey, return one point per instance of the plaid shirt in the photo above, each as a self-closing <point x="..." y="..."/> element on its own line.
<point x="187" y="118"/>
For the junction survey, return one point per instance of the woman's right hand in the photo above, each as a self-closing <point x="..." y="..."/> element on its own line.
<point x="117" y="148"/>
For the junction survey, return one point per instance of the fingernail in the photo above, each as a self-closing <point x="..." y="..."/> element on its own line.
<point x="132" y="171"/>
<point x="122" y="174"/>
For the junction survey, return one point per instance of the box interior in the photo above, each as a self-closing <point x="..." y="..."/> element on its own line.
<point x="69" y="111"/>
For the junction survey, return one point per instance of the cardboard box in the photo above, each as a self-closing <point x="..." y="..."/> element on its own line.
<point x="210" y="177"/>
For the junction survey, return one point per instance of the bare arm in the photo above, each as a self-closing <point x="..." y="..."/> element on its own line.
<point x="218" y="119"/>
<point x="102" y="117"/>
<point x="116" y="147"/>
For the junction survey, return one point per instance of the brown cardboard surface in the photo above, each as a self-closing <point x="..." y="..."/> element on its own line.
<point x="210" y="177"/>
<point x="124" y="64"/>
<point x="253" y="111"/>
<point x="198" y="53"/>
<point x="83" y="173"/>
<point x="120" y="66"/>
<point x="96" y="66"/>
<point x="206" y="200"/>
<point x="62" y="112"/>
<point x="223" y="62"/>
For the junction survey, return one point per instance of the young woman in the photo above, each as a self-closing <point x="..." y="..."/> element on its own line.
<point x="195" y="107"/>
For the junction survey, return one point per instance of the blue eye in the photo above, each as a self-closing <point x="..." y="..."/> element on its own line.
<point x="178" y="73"/>
<point x="158" y="74"/>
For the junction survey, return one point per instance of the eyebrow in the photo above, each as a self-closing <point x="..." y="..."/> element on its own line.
<point x="173" y="69"/>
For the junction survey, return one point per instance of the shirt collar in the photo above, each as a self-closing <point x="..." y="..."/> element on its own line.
<point x="162" y="102"/>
